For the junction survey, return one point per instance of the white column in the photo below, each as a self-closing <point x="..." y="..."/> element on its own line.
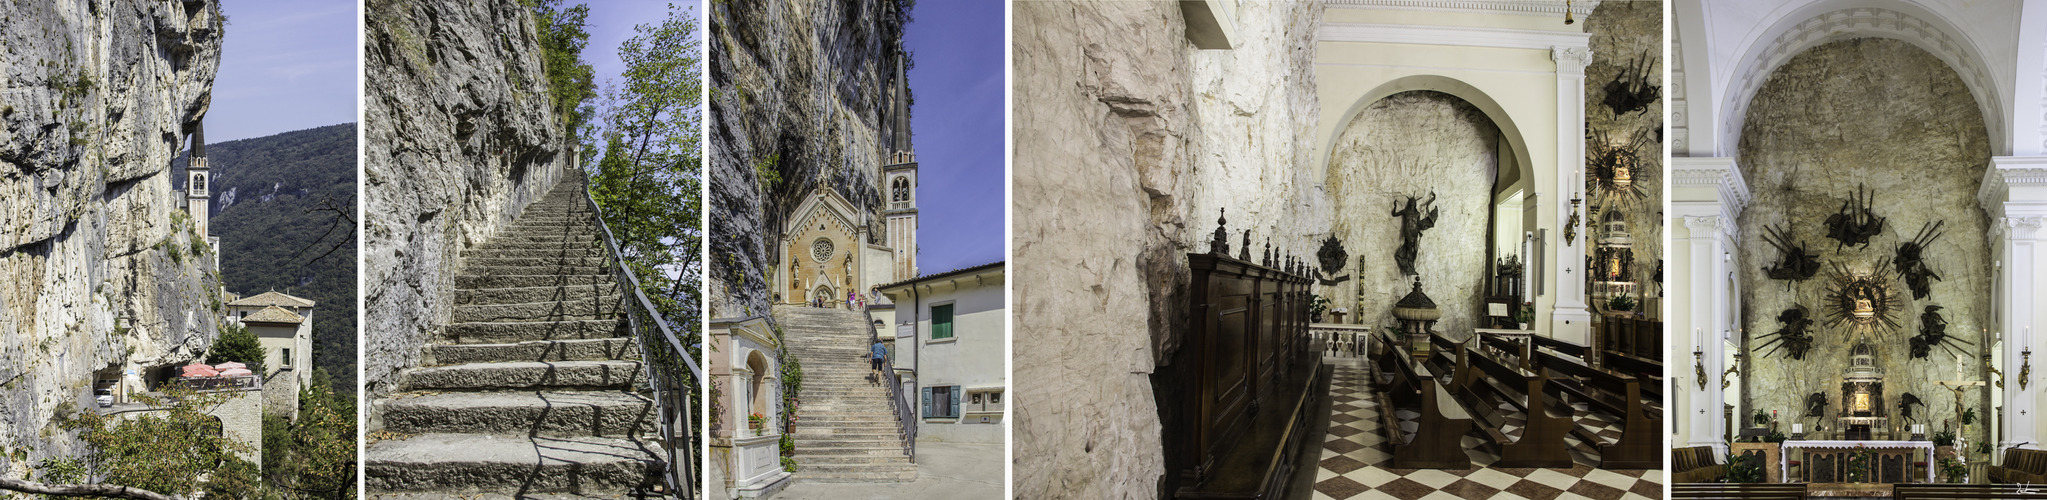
<point x="1707" y="195"/>
<point x="1570" y="320"/>
<point x="1708" y="255"/>
<point x="2014" y="197"/>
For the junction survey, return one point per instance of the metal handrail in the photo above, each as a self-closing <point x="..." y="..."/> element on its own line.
<point x="681" y="474"/>
<point x="906" y="418"/>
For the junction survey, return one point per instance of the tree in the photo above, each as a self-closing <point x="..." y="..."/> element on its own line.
<point x="238" y="345"/>
<point x="177" y="451"/>
<point x="570" y="81"/>
<point x="313" y="456"/>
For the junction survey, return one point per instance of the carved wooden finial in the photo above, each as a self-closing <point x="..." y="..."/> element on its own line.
<point x="1220" y="243"/>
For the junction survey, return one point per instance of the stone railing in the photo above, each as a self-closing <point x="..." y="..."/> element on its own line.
<point x="673" y="376"/>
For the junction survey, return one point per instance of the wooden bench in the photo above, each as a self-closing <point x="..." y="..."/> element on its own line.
<point x="2020" y="465"/>
<point x="1561" y="347"/>
<point x="1616" y="395"/>
<point x="1440" y="426"/>
<point x="1730" y="491"/>
<point x="1695" y="464"/>
<point x="1482" y="384"/>
<point x="1937" y="490"/>
<point x="1650" y="371"/>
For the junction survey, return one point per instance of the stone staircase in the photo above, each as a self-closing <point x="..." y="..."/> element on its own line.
<point x="531" y="388"/>
<point x="845" y="429"/>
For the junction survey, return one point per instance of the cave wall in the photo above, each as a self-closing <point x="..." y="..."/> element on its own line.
<point x="95" y="100"/>
<point x="458" y="137"/>
<point x="1622" y="32"/>
<point x="801" y="97"/>
<point x="1128" y="142"/>
<point x="1415" y="143"/>
<point x="1884" y="114"/>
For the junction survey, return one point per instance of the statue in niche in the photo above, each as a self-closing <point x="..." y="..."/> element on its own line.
<point x="1855" y="223"/>
<point x="1414" y="218"/>
<point x="1333" y="257"/>
<point x="1794" y="337"/>
<point x="1816" y="405"/>
<point x="1912" y="261"/>
<point x="1796" y="263"/>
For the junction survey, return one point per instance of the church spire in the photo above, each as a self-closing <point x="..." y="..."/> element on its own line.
<point x="900" y="115"/>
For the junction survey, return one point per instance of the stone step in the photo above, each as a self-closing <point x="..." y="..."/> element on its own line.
<point x="579" y="260"/>
<point x="851" y="442"/>
<point x="549" y="413"/>
<point x="531" y="270"/>
<point x="803" y="450"/>
<point x="594" y="308"/>
<point x="537" y="350"/>
<point x="857" y="477"/>
<point x="557" y="241"/>
<point x="517" y="295"/>
<point x="523" y="331"/>
<point x="898" y="459"/>
<point x="539" y="231"/>
<point x="475" y="463"/>
<point x="499" y="245"/>
<point x="568" y="253"/>
<point x="534" y="280"/>
<point x="526" y="375"/>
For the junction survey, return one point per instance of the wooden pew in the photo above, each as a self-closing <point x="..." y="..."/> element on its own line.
<point x="1731" y="491"/>
<point x="1619" y="396"/>
<point x="1648" y="370"/>
<point x="1561" y="347"/>
<point x="1480" y="384"/>
<point x="1441" y="426"/>
<point x="1937" y="490"/>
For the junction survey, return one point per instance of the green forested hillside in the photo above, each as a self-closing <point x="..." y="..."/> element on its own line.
<point x="274" y="209"/>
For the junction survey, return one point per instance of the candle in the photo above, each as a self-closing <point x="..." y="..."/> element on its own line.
<point x="1797" y="428"/>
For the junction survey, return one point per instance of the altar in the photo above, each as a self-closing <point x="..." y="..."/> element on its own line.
<point x="1829" y="461"/>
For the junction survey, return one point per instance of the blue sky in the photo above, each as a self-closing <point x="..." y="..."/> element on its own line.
<point x="958" y="119"/>
<point x="286" y="65"/>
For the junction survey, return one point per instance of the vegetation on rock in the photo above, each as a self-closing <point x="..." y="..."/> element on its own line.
<point x="178" y="451"/>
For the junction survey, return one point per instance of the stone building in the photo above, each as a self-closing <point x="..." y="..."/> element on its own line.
<point x="949" y="350"/>
<point x="1796" y="124"/>
<point x="283" y="324"/>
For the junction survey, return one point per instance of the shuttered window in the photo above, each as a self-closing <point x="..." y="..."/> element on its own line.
<point x="942" y="401"/>
<point x="941" y="322"/>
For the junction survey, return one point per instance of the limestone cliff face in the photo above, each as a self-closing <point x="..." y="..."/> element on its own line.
<point x="95" y="100"/>
<point x="1624" y="35"/>
<point x="1128" y="141"/>
<point x="802" y="91"/>
<point x="458" y="138"/>
<point x="1416" y="143"/>
<point x="1884" y="114"/>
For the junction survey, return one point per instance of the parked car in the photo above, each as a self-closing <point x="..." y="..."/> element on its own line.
<point x="104" y="396"/>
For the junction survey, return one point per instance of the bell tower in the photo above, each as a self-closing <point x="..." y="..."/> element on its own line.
<point x="899" y="182"/>
<point x="199" y="179"/>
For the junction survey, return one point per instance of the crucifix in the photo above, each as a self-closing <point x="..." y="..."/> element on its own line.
<point x="1960" y="387"/>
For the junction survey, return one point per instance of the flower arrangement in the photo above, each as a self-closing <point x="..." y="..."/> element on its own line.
<point x="756" y="421"/>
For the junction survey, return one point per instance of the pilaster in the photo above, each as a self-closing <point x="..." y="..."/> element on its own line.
<point x="2014" y="198"/>
<point x="1707" y="196"/>
<point x="1570" y="319"/>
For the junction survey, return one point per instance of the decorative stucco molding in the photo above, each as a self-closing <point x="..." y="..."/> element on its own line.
<point x="1464" y="36"/>
<point x="1720" y="173"/>
<point x="1571" y="60"/>
<point x="2005" y="173"/>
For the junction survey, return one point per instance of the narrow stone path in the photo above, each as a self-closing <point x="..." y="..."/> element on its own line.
<point x="532" y="388"/>
<point x="845" y="429"/>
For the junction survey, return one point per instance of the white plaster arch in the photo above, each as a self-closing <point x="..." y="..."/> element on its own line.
<point x="1516" y="142"/>
<point x="1798" y="28"/>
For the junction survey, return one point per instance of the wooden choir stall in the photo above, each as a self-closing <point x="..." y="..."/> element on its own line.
<point x="1237" y="387"/>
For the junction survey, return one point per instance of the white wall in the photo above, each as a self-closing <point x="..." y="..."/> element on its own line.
<point x="972" y="359"/>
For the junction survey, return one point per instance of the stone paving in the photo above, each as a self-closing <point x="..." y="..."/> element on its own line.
<point x="944" y="471"/>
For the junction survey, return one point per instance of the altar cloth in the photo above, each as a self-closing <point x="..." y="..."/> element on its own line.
<point x="1784" y="461"/>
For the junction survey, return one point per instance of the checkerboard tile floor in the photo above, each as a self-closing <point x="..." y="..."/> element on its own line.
<point x="1356" y="459"/>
